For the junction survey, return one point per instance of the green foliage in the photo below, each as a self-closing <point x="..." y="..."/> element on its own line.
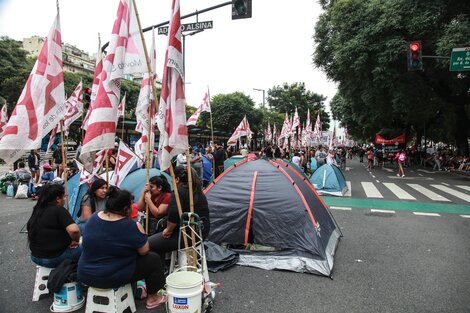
<point x="285" y="98"/>
<point x="362" y="46"/>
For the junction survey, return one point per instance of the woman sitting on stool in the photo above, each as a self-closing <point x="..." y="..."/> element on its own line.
<point x="93" y="201"/>
<point x="116" y="251"/>
<point x="52" y="234"/>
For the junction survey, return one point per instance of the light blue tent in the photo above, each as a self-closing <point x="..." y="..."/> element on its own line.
<point x="135" y="181"/>
<point x="329" y="180"/>
<point x="76" y="193"/>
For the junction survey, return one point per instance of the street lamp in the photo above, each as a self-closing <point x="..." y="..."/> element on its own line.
<point x="263" y="95"/>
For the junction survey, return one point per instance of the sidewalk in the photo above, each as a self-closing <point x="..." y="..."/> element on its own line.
<point x="5" y="168"/>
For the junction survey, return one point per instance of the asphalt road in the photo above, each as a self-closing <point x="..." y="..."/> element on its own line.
<point x="386" y="262"/>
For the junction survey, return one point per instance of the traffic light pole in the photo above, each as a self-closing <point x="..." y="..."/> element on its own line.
<point x="183" y="17"/>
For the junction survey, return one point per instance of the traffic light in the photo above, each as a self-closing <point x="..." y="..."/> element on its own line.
<point x="415" y="60"/>
<point x="241" y="9"/>
<point x="87" y="94"/>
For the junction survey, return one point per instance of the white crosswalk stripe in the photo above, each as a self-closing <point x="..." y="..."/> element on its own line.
<point x="400" y="193"/>
<point x="370" y="190"/>
<point x="464" y="187"/>
<point x="453" y="192"/>
<point x="428" y="193"/>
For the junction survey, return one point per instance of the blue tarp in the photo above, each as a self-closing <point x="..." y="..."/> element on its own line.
<point x="135" y="181"/>
<point x="76" y="194"/>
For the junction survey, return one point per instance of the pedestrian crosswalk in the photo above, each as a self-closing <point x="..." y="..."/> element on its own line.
<point x="416" y="191"/>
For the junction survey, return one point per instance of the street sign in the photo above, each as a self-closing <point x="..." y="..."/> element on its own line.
<point x="188" y="27"/>
<point x="460" y="59"/>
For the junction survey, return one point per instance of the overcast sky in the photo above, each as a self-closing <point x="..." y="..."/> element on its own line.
<point x="273" y="47"/>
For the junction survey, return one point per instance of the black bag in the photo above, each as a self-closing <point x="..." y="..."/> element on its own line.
<point x="155" y="225"/>
<point x="64" y="273"/>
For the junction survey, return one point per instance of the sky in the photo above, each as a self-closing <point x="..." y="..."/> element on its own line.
<point x="273" y="47"/>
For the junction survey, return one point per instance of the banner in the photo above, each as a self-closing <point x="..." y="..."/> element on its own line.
<point x="397" y="140"/>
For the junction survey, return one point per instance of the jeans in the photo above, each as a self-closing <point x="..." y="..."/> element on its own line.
<point x="69" y="253"/>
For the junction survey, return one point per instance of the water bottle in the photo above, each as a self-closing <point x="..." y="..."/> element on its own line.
<point x="10" y="191"/>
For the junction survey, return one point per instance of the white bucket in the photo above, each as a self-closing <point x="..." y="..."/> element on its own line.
<point x="184" y="290"/>
<point x="70" y="298"/>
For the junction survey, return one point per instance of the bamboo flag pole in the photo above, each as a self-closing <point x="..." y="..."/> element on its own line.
<point x="107" y="166"/>
<point x="191" y="208"/>
<point x="123" y="116"/>
<point x="64" y="163"/>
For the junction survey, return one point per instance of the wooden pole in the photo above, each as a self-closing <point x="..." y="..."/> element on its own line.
<point x="212" y="134"/>
<point x="107" y="166"/>
<point x="64" y="163"/>
<point x="191" y="209"/>
<point x="123" y="118"/>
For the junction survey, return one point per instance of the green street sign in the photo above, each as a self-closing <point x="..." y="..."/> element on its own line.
<point x="188" y="27"/>
<point x="460" y="59"/>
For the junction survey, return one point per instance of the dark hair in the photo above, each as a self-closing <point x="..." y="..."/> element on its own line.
<point x="118" y="201"/>
<point x="48" y="194"/>
<point x="21" y="165"/>
<point x="160" y="181"/>
<point x="97" y="184"/>
<point x="182" y="174"/>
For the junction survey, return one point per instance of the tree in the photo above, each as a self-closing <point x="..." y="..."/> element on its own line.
<point x="229" y="109"/>
<point x="285" y="98"/>
<point x="362" y="45"/>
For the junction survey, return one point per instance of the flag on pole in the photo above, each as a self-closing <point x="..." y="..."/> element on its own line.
<point x="41" y="103"/>
<point x="317" y="130"/>
<point x="275" y="135"/>
<point x="96" y="82"/>
<point x="146" y="100"/>
<point x="126" y="160"/>
<point x="332" y="138"/>
<point x="269" y="134"/>
<point x="73" y="106"/>
<point x="125" y="56"/>
<point x="203" y="107"/>
<point x="171" y="118"/>
<point x="85" y="176"/>
<point x="296" y="121"/>
<point x="121" y="108"/>
<point x="3" y="118"/>
<point x="243" y="129"/>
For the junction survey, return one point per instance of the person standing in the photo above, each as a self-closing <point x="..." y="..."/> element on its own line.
<point x="400" y="157"/>
<point x="219" y="158"/>
<point x="33" y="164"/>
<point x="57" y="156"/>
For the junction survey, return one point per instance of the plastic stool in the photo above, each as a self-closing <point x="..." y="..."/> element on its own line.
<point x="40" y="282"/>
<point x="110" y="300"/>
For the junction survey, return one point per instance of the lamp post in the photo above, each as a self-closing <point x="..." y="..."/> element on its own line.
<point x="263" y="95"/>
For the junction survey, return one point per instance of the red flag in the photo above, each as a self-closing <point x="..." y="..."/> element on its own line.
<point x="52" y="138"/>
<point x="121" y="108"/>
<point x="125" y="56"/>
<point x="3" y="118"/>
<point x="243" y="129"/>
<point x="172" y="115"/>
<point x="41" y="104"/>
<point x="296" y="121"/>
<point x="125" y="161"/>
<point x="269" y="134"/>
<point x="204" y="106"/>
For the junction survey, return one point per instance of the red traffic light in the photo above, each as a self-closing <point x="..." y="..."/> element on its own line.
<point x="88" y="91"/>
<point x="415" y="46"/>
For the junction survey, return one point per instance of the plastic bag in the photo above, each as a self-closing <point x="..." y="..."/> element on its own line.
<point x="10" y="191"/>
<point x="22" y="192"/>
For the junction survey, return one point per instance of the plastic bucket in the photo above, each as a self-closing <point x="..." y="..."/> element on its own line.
<point x="184" y="290"/>
<point x="70" y="298"/>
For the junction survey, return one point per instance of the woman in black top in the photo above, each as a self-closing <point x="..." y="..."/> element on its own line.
<point x="52" y="234"/>
<point x="167" y="240"/>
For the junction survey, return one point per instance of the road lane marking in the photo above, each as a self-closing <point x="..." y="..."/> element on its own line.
<point x="370" y="190"/>
<point x="425" y="171"/>
<point x="388" y="169"/>
<point x="348" y="193"/>
<point x="382" y="211"/>
<point x="465" y="216"/>
<point x="410" y="178"/>
<point x="400" y="193"/>
<point x="426" y="214"/>
<point x="453" y="192"/>
<point x="341" y="208"/>
<point x="446" y="184"/>
<point x="464" y="187"/>
<point x="428" y="193"/>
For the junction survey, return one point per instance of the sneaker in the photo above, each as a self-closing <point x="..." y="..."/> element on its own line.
<point x="398" y="175"/>
<point x="403" y="175"/>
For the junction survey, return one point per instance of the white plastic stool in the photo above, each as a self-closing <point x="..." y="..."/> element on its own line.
<point x="40" y="282"/>
<point x="110" y="300"/>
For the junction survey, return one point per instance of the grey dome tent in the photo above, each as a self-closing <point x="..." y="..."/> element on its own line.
<point x="275" y="215"/>
<point x="329" y="180"/>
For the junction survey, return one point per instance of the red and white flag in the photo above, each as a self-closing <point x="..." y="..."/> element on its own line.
<point x="3" y="118"/>
<point x="317" y="130"/>
<point x="205" y="106"/>
<point x="307" y="134"/>
<point x="41" y="104"/>
<point x="269" y="134"/>
<point x="121" y="108"/>
<point x="243" y="129"/>
<point x="171" y="118"/>
<point x="73" y="106"/>
<point x="125" y="161"/>
<point x="296" y="121"/>
<point x="96" y="82"/>
<point x="85" y="176"/>
<point x="125" y="56"/>
<point x="146" y="107"/>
